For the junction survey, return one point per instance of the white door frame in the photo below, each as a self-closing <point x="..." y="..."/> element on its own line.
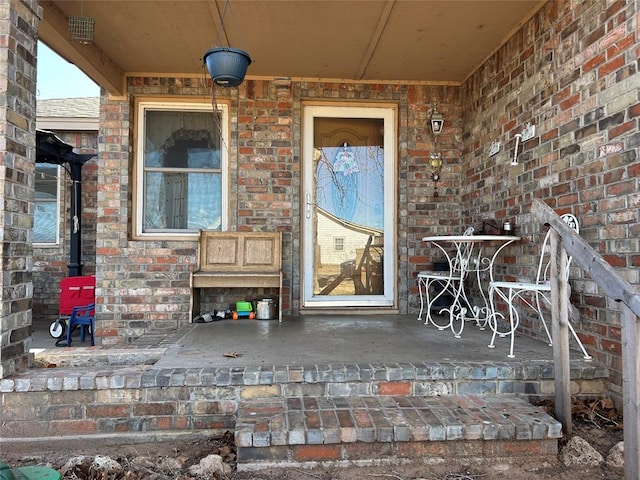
<point x="388" y="114"/>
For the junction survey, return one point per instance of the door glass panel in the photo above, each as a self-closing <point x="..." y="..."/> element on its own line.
<point x="349" y="217"/>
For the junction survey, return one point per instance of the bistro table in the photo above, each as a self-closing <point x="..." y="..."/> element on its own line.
<point x="470" y="255"/>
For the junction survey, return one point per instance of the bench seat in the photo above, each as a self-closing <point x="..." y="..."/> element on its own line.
<point x="237" y="260"/>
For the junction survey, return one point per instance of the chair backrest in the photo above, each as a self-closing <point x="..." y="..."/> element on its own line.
<point x="461" y="259"/>
<point x="544" y="263"/>
<point x="83" y="311"/>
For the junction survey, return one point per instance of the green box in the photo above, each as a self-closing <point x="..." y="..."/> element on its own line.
<point x="243" y="307"/>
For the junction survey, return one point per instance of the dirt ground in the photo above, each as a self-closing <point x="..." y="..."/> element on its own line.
<point x="596" y="423"/>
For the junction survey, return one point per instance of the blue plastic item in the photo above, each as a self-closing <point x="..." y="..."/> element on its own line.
<point x="82" y="317"/>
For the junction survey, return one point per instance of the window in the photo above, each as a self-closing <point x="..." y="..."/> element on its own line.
<point x="181" y="166"/>
<point x="46" y="213"/>
<point x="338" y="244"/>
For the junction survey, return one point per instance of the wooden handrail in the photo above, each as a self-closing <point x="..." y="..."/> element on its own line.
<point x="588" y="259"/>
<point x="617" y="288"/>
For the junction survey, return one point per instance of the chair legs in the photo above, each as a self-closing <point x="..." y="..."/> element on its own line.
<point x="457" y="311"/>
<point x="514" y="319"/>
<point x="510" y="299"/>
<point x="428" y="299"/>
<point x="82" y="317"/>
<point x="572" y="330"/>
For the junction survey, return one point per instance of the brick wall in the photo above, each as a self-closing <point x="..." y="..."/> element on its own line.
<point x="18" y="44"/>
<point x="50" y="262"/>
<point x="144" y="284"/>
<point x="572" y="71"/>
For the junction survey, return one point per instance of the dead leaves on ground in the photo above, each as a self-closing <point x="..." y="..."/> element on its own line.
<point x="600" y="412"/>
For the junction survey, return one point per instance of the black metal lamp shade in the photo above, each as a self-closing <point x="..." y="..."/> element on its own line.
<point x="227" y="66"/>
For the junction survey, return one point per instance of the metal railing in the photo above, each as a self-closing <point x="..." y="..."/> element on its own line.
<point x="564" y="243"/>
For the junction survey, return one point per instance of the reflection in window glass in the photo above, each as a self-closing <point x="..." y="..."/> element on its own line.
<point x="45" y="213"/>
<point x="182" y="169"/>
<point x="182" y="201"/>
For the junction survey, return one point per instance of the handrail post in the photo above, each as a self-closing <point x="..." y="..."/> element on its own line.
<point x="630" y="392"/>
<point x="560" y="332"/>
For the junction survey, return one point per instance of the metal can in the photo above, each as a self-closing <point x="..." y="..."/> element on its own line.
<point x="265" y="309"/>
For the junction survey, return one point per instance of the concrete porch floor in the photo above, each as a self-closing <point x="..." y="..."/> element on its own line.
<point x="309" y="340"/>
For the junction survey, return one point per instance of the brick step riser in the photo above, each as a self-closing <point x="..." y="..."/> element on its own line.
<point x="75" y="402"/>
<point x="281" y="432"/>
<point x="457" y="454"/>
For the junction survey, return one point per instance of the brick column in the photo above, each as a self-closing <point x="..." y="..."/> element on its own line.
<point x="18" y="44"/>
<point x="114" y="254"/>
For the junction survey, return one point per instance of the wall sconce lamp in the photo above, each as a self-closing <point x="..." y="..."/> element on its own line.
<point x="437" y="121"/>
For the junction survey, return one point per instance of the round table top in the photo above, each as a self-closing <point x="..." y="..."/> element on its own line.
<point x="471" y="238"/>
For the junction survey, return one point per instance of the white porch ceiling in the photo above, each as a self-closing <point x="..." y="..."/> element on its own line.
<point x="425" y="41"/>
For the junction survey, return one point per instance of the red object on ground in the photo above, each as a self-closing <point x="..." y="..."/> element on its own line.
<point x="76" y="292"/>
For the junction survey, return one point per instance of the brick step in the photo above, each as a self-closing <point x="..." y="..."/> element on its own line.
<point x="130" y="399"/>
<point x="95" y="357"/>
<point x="369" y="430"/>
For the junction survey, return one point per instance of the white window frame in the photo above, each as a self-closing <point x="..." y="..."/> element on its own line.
<point x="56" y="242"/>
<point x="142" y="108"/>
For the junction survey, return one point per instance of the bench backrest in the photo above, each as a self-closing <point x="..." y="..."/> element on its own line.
<point x="240" y="252"/>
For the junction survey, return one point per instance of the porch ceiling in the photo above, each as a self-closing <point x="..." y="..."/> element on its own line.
<point x="426" y="41"/>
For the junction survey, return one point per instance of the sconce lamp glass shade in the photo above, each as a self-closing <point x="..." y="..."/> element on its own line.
<point x="437" y="122"/>
<point x="436" y="161"/>
<point x="227" y="66"/>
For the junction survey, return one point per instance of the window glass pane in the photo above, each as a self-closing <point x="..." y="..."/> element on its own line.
<point x="182" y="169"/>
<point x="180" y="200"/>
<point x="203" y="158"/>
<point x="45" y="214"/>
<point x="182" y="139"/>
<point x="45" y="220"/>
<point x="46" y="182"/>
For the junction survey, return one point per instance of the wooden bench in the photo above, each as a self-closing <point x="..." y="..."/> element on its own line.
<point x="237" y="260"/>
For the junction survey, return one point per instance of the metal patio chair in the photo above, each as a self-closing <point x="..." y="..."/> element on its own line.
<point x="435" y="284"/>
<point x="533" y="294"/>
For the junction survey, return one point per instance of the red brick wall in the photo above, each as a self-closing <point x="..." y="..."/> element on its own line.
<point x="572" y="71"/>
<point x="144" y="284"/>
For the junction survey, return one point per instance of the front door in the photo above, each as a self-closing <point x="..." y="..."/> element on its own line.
<point x="349" y="198"/>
